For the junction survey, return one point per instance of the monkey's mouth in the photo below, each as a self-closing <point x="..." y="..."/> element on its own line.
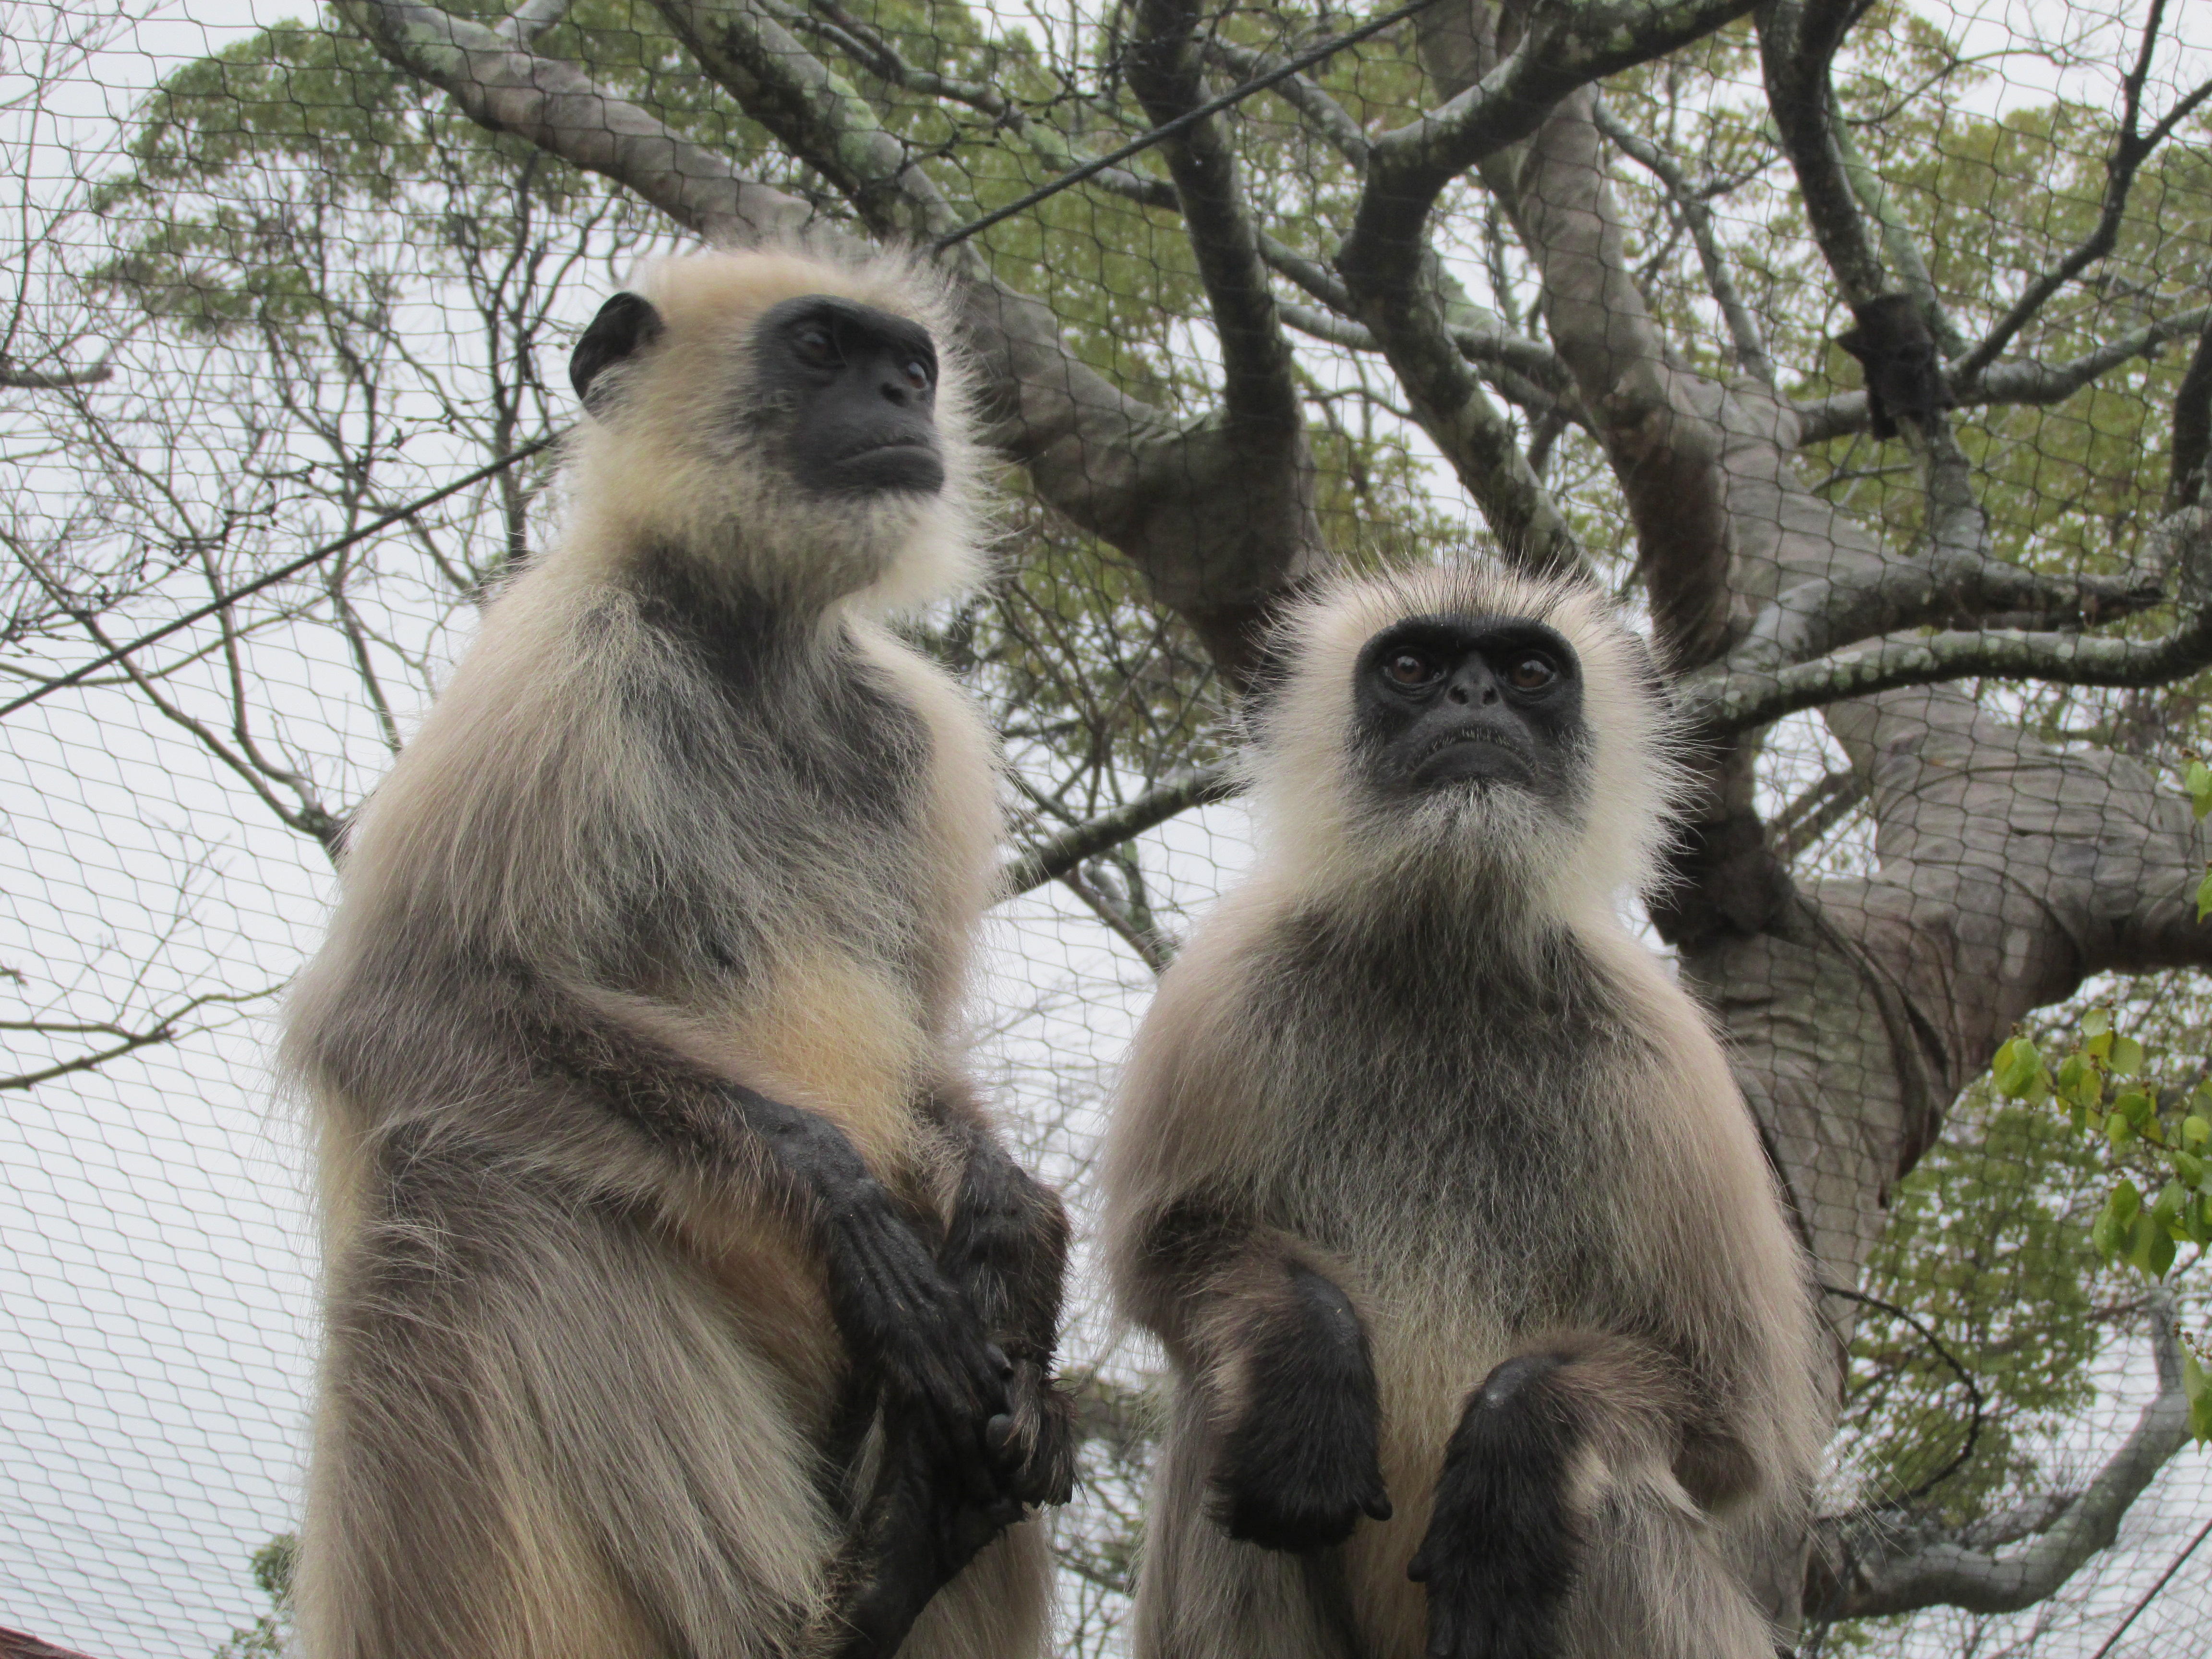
<point x="897" y="463"/>
<point x="1478" y="757"/>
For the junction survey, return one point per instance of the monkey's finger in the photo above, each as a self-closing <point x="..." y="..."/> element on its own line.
<point x="1375" y="1506"/>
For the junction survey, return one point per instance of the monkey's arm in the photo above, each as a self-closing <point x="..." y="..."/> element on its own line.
<point x="1006" y="1248"/>
<point x="1257" y="1321"/>
<point x="901" y="1318"/>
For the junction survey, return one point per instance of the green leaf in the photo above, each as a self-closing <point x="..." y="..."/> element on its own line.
<point x="2161" y="1253"/>
<point x="2197" y="780"/>
<point x="2190" y="1168"/>
<point x="2166" y="1211"/>
<point x="2150" y="1248"/>
<point x="2119" y="1130"/>
<point x="2204" y="897"/>
<point x="2106" y="1233"/>
<point x="2196" y="1131"/>
<point x="2198" y="1388"/>
<point x="2097" y="1022"/>
<point x="2197" y="1220"/>
<point x="2125" y="1202"/>
<point x="2018" y="1067"/>
<point x="2127" y="1056"/>
<point x="2079" y="1084"/>
<point x="2136" y="1107"/>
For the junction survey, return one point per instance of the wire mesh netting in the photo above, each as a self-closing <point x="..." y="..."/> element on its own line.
<point x="1864" y="350"/>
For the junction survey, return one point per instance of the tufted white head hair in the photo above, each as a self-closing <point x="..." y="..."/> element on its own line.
<point x="678" y="451"/>
<point x="1321" y="823"/>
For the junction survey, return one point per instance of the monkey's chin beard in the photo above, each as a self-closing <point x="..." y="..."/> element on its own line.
<point x="1486" y="841"/>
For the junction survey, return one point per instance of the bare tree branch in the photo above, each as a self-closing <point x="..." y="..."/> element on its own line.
<point x="1858" y="1575"/>
<point x="1698" y="218"/>
<point x="166" y="1028"/>
<point x="1798" y="40"/>
<point x="1260" y="389"/>
<point x="1722" y="703"/>
<point x="2129" y="150"/>
<point x="1078" y="844"/>
<point x="13" y="379"/>
<point x="1302" y="93"/>
<point x="1564" y="46"/>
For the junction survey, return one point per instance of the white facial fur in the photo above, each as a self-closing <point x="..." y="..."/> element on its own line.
<point x="1318" y="821"/>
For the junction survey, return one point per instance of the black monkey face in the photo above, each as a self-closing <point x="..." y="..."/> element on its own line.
<point x="855" y="393"/>
<point x="1471" y="703"/>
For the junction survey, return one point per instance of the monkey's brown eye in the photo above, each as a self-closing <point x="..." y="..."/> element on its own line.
<point x="917" y="374"/>
<point x="1409" y="668"/>
<point x="1532" y="673"/>
<point x="815" y="345"/>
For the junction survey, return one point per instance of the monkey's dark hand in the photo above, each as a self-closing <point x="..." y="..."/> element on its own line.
<point x="1501" y="1551"/>
<point x="907" y="1325"/>
<point x="920" y="1336"/>
<point x="1007" y="1246"/>
<point x="1301" y="1465"/>
<point x="921" y="1531"/>
<point x="1035" y="1443"/>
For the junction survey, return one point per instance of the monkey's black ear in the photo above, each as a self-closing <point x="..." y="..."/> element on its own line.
<point x="625" y="323"/>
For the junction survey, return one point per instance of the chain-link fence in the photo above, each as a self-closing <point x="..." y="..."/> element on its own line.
<point x="1864" y="350"/>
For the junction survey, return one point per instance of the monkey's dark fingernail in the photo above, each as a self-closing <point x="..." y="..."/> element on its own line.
<point x="1378" y="1507"/>
<point x="1418" y="1570"/>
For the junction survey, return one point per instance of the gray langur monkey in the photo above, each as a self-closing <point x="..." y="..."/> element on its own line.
<point x="1490" y="1337"/>
<point x="681" y="1303"/>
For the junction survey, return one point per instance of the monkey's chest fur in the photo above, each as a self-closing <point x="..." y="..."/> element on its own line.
<point x="809" y="774"/>
<point x="1447" y="1108"/>
<point x="1450" y="1117"/>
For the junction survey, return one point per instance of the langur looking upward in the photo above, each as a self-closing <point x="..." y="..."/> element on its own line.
<point x="1489" y="1338"/>
<point x="681" y="1303"/>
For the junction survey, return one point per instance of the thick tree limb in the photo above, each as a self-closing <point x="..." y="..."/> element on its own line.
<point x="2016" y="382"/>
<point x="530" y="21"/>
<point x="1822" y="614"/>
<point x="1559" y="193"/>
<point x="2192" y="425"/>
<point x="815" y="113"/>
<point x="1798" y="41"/>
<point x="555" y="105"/>
<point x="1862" y="1574"/>
<point x="1260" y="388"/>
<point x="1564" y="46"/>
<point x="1723" y="704"/>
